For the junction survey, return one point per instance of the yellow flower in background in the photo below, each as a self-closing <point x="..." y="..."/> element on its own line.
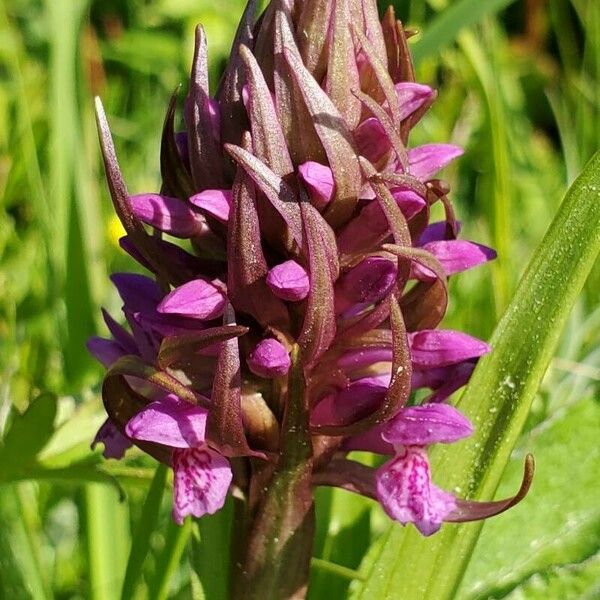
<point x="115" y="230"/>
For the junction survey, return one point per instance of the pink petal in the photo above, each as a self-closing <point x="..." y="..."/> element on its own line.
<point x="425" y="161"/>
<point x="217" y="203"/>
<point x="411" y="96"/>
<point x="455" y="256"/>
<point x="367" y="283"/>
<point x="461" y="373"/>
<point x="444" y="380"/>
<point x="407" y="494"/>
<point x="120" y="334"/>
<point x="360" y="358"/>
<point x="432" y="348"/>
<point x="106" y="352"/>
<point x="358" y="400"/>
<point x="369" y="441"/>
<point x="115" y="443"/>
<point x="427" y="424"/>
<point x="171" y="422"/>
<point x="370" y="226"/>
<point x="201" y="480"/>
<point x="371" y="140"/>
<point x="269" y="359"/>
<point x="138" y="292"/>
<point x="197" y="299"/>
<point x="171" y="215"/>
<point x="410" y="202"/>
<point x="435" y="232"/>
<point x="289" y="281"/>
<point x="318" y="179"/>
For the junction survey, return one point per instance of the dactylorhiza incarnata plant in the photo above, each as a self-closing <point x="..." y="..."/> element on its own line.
<point x="300" y="312"/>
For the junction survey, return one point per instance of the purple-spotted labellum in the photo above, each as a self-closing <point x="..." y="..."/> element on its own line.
<point x="295" y="290"/>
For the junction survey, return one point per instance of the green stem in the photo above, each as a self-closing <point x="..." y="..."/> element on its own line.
<point x="281" y="537"/>
<point x="339" y="570"/>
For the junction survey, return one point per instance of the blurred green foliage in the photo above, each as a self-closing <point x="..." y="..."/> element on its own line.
<point x="519" y="89"/>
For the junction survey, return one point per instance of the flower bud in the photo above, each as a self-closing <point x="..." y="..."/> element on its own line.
<point x="289" y="281"/>
<point x="269" y="358"/>
<point x="169" y="215"/>
<point x="215" y="203"/>
<point x="197" y="299"/>
<point x="318" y="179"/>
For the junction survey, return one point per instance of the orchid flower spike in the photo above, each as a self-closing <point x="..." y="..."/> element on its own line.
<point x="300" y="305"/>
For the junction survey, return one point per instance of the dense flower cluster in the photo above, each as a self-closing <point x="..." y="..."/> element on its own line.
<point x="304" y="253"/>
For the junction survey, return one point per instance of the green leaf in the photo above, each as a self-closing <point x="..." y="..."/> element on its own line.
<point x="497" y="400"/>
<point x="560" y="521"/>
<point x="571" y="582"/>
<point x="168" y="561"/>
<point x="347" y="517"/>
<point x="27" y="436"/>
<point x="141" y="538"/>
<point x="450" y="22"/>
<point x="107" y="536"/>
<point x="22" y="573"/>
<point x="211" y="552"/>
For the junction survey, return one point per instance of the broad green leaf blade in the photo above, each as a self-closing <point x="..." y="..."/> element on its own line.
<point x="497" y="400"/>
<point x="141" y="539"/>
<point x="559" y="524"/>
<point x="569" y="582"/>
<point x="27" y="436"/>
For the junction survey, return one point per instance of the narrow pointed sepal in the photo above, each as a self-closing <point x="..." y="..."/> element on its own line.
<point x="468" y="510"/>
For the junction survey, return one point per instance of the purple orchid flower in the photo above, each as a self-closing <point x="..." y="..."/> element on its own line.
<point x="404" y="485"/>
<point x="202" y="476"/>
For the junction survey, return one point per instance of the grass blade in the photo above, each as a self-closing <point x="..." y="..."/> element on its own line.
<point x="448" y="24"/>
<point x="168" y="561"/>
<point x="141" y="537"/>
<point x="107" y="530"/>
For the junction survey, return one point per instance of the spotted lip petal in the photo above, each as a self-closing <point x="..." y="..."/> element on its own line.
<point x="201" y="480"/>
<point x="407" y="494"/>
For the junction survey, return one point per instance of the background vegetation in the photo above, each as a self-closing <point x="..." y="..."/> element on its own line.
<point x="519" y="88"/>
